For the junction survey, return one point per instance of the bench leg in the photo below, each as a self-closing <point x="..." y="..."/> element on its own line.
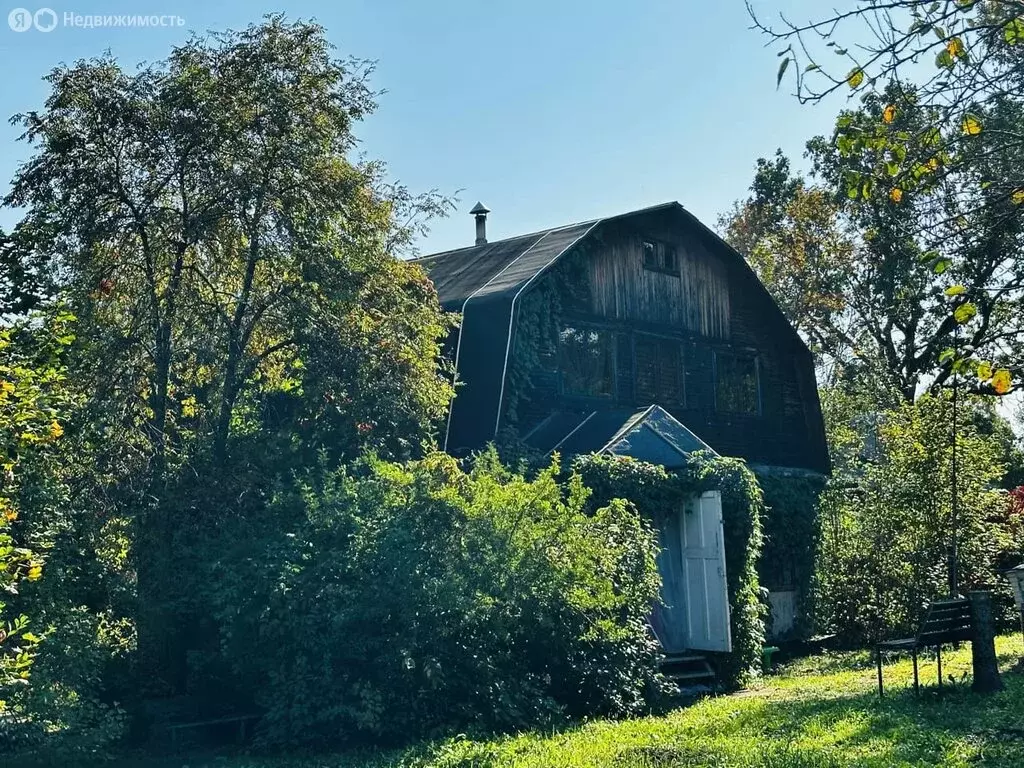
<point x="938" y="651"/>
<point x="917" y="685"/>
<point x="878" y="657"/>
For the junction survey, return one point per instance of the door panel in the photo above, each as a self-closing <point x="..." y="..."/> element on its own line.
<point x="669" y="619"/>
<point x="705" y="588"/>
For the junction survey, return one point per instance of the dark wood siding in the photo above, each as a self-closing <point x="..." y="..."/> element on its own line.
<point x="711" y="304"/>
<point x="695" y="298"/>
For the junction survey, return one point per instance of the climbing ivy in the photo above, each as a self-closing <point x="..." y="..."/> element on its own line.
<point x="655" y="491"/>
<point x="539" y="319"/>
<point x="792" y="533"/>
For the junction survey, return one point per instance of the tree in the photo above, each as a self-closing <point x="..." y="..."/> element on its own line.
<point x="943" y="284"/>
<point x="974" y="47"/>
<point x="236" y="276"/>
<point x="794" y="238"/>
<point x="888" y="515"/>
<point x="946" y="145"/>
<point x="906" y="280"/>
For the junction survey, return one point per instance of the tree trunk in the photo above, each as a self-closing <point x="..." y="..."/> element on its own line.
<point x="161" y="651"/>
<point x="983" y="644"/>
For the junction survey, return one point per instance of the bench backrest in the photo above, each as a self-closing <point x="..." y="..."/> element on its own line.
<point x="947" y="621"/>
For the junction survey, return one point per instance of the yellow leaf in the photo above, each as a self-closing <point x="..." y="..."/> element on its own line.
<point x="984" y="370"/>
<point x="56" y="430"/>
<point x="35" y="572"/>
<point x="855" y="78"/>
<point x="889" y="113"/>
<point x="896" y="194"/>
<point x="955" y="47"/>
<point x="1017" y="197"/>
<point x="971" y="125"/>
<point x="1001" y="381"/>
<point x="965" y="312"/>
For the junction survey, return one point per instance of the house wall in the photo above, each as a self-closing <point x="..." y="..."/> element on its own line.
<point x="695" y="300"/>
<point x="710" y="305"/>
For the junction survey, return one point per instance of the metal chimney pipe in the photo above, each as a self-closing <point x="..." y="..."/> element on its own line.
<point x="480" y="212"/>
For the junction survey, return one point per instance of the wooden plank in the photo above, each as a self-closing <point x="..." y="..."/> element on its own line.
<point x="949" y="602"/>
<point x="950" y="636"/>
<point x="943" y="623"/>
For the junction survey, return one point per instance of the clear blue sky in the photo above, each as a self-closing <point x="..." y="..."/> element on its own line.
<point x="549" y="112"/>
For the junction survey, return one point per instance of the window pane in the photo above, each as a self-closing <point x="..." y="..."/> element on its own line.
<point x="736" y="384"/>
<point x="670" y="257"/>
<point x="659" y="370"/>
<point x="587" y="362"/>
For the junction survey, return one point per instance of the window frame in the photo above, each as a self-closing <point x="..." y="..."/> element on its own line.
<point x="613" y="334"/>
<point x="715" y="373"/>
<point x="648" y="246"/>
<point x="636" y="335"/>
<point x="661" y="249"/>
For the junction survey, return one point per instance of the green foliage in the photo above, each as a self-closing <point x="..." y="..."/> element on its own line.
<point x="62" y="638"/>
<point x="792" y="532"/>
<point x="33" y="401"/>
<point x="887" y="521"/>
<point x="539" y="322"/>
<point x="67" y="714"/>
<point x="241" y="298"/>
<point x="392" y="600"/>
<point x="653" y="491"/>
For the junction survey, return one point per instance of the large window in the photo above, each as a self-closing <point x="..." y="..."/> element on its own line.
<point x="737" y="384"/>
<point x="586" y="359"/>
<point x="659" y="370"/>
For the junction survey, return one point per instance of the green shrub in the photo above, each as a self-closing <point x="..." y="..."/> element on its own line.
<point x="408" y="598"/>
<point x="64" y="714"/>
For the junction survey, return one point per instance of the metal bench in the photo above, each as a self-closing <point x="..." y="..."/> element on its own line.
<point x="947" y="621"/>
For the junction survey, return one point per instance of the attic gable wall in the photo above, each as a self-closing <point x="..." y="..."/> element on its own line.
<point x="696" y="299"/>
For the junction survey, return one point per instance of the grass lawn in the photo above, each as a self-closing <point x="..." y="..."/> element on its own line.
<point x="821" y="711"/>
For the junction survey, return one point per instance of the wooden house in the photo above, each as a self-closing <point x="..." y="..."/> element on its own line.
<point x="642" y="334"/>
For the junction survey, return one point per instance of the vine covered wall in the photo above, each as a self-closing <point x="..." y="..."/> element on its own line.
<point x="792" y="533"/>
<point x="653" y="490"/>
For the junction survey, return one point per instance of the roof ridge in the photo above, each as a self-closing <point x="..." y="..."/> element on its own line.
<point x="539" y="232"/>
<point x="549" y="230"/>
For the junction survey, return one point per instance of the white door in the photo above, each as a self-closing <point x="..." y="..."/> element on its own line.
<point x="707" y="596"/>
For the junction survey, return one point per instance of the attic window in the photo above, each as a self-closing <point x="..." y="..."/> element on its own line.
<point x="737" y="384"/>
<point x="586" y="360"/>
<point x="659" y="370"/>
<point x="660" y="257"/>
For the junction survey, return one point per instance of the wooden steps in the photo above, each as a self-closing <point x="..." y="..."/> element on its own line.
<point x="692" y="672"/>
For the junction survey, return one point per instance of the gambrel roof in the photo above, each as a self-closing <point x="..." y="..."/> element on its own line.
<point x="484" y="284"/>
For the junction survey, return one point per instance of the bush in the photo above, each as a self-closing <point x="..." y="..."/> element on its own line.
<point x="65" y="714"/>
<point x="408" y="598"/>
